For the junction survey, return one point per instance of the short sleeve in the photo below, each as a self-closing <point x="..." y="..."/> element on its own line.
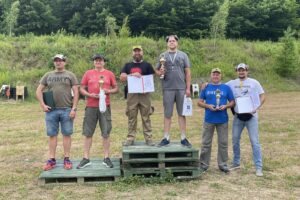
<point x="74" y="79"/>
<point x="124" y="69"/>
<point x="84" y="80"/>
<point x="150" y="69"/>
<point x="259" y="88"/>
<point x="43" y="80"/>
<point x="202" y="94"/>
<point x="230" y="94"/>
<point x="113" y="79"/>
<point x="186" y="61"/>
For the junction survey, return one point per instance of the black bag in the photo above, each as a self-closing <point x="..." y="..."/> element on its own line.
<point x="244" y="117"/>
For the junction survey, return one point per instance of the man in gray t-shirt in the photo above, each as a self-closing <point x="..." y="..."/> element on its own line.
<point x="59" y="83"/>
<point x="176" y="81"/>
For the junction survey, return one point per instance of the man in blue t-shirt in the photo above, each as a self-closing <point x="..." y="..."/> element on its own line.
<point x="215" y="98"/>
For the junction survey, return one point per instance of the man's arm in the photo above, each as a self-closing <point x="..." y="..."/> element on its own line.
<point x="84" y="92"/>
<point x="188" y="81"/>
<point x="75" y="101"/>
<point x="39" y="96"/>
<point x="202" y="104"/>
<point x="262" y="98"/>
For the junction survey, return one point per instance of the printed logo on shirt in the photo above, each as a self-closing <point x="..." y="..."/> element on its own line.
<point x="135" y="69"/>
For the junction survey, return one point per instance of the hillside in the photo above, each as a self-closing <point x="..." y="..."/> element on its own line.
<point x="24" y="59"/>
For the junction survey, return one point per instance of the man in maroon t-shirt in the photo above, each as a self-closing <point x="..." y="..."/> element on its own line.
<point x="90" y="88"/>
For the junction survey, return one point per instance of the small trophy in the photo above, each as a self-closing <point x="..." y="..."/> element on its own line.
<point x="218" y="96"/>
<point x="101" y="82"/>
<point x="162" y="66"/>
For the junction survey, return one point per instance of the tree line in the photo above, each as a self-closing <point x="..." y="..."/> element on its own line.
<point x="247" y="19"/>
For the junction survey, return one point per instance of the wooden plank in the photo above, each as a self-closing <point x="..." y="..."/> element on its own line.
<point x="96" y="169"/>
<point x="145" y="160"/>
<point x="142" y="148"/>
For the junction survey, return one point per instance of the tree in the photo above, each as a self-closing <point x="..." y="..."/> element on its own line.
<point x="287" y="58"/>
<point x="219" y="22"/>
<point x="111" y="26"/>
<point x="11" y="17"/>
<point x="125" y="30"/>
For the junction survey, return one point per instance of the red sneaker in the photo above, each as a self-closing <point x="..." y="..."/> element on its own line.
<point x="67" y="164"/>
<point x="49" y="165"/>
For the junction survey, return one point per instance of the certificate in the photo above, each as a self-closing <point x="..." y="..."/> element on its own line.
<point x="244" y="105"/>
<point x="144" y="84"/>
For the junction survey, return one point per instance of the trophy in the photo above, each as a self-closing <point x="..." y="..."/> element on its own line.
<point x="218" y="96"/>
<point x="102" y="96"/>
<point x="162" y="66"/>
<point x="101" y="81"/>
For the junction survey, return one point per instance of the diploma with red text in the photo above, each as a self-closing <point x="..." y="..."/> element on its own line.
<point x="144" y="84"/>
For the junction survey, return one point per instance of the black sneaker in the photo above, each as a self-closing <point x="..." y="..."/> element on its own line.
<point x="164" y="142"/>
<point x="84" y="163"/>
<point x="224" y="169"/>
<point x="107" y="162"/>
<point x="234" y="166"/>
<point x="186" y="143"/>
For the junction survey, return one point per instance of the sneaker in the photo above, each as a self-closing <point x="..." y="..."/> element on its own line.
<point x="234" y="166"/>
<point x="49" y="165"/>
<point x="203" y="167"/>
<point x="259" y="173"/>
<point x="186" y="143"/>
<point x="224" y="169"/>
<point x="150" y="143"/>
<point x="84" y="163"/>
<point x="107" y="162"/>
<point x="128" y="143"/>
<point x="67" y="164"/>
<point x="164" y="142"/>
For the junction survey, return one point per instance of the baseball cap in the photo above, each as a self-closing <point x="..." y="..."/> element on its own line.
<point x="242" y="66"/>
<point x="137" y="47"/>
<point x="60" y="56"/>
<point x="216" y="70"/>
<point x="98" y="56"/>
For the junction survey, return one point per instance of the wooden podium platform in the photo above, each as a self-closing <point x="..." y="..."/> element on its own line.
<point x="140" y="159"/>
<point x="96" y="172"/>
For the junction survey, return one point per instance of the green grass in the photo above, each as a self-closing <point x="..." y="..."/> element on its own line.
<point x="23" y="150"/>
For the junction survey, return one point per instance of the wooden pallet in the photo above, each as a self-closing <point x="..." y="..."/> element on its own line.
<point x="140" y="159"/>
<point x="96" y="172"/>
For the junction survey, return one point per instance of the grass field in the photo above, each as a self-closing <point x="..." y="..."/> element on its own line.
<point x="23" y="150"/>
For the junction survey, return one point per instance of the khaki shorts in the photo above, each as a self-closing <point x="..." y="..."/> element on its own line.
<point x="91" y="117"/>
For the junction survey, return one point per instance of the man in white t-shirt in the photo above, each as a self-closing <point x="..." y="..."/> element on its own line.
<point x="247" y="87"/>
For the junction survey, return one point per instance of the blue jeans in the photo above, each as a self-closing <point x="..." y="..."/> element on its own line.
<point x="253" y="132"/>
<point x="56" y="117"/>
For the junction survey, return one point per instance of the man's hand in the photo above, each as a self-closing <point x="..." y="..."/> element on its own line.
<point x="223" y="107"/>
<point x="211" y="107"/>
<point x="72" y="114"/>
<point x="187" y="92"/>
<point x="46" y="108"/>
<point x="106" y="91"/>
<point x="93" y="95"/>
<point x="162" y="71"/>
<point x="136" y="74"/>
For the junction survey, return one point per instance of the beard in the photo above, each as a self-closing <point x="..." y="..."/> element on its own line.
<point x="137" y="58"/>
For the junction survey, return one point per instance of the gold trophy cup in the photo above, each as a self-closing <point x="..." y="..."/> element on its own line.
<point x="218" y="96"/>
<point x="101" y="82"/>
<point x="162" y="61"/>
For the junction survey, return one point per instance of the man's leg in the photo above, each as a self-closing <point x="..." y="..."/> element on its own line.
<point x="145" y="111"/>
<point x="52" y="146"/>
<point x="182" y="126"/>
<point x="237" y="128"/>
<point x="106" y="146"/>
<point x="67" y="145"/>
<point x="131" y="112"/>
<point x="179" y="98"/>
<point x="253" y="132"/>
<point x="88" y="140"/>
<point x="207" y="136"/>
<point x="222" y="131"/>
<point x="168" y="102"/>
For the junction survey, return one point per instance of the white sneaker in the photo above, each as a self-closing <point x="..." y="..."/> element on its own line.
<point x="259" y="173"/>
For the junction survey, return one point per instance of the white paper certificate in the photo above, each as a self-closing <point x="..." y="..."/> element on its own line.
<point x="244" y="104"/>
<point x="143" y="84"/>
